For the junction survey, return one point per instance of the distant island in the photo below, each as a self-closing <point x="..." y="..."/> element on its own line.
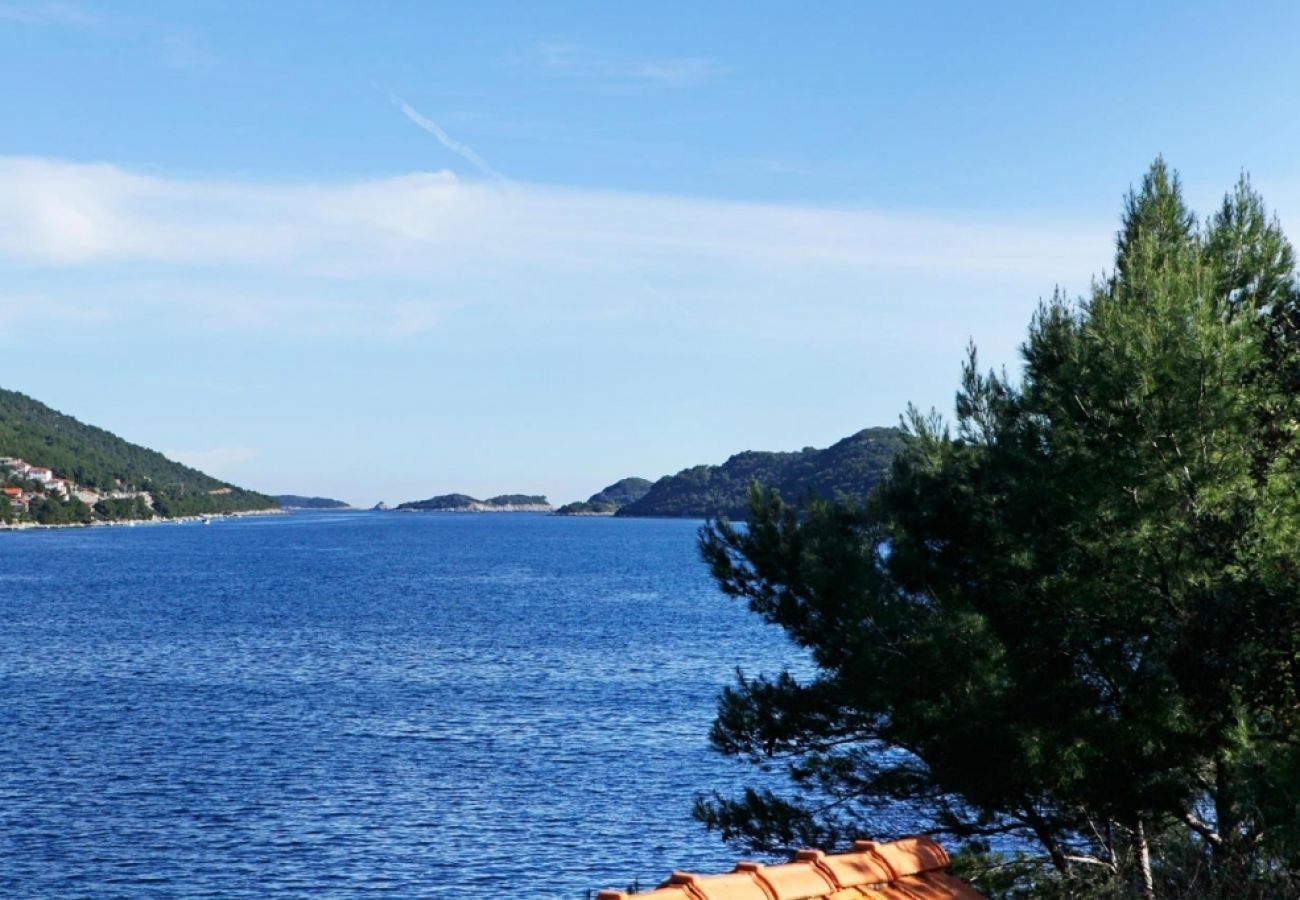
<point x="503" y="503"/>
<point x="850" y="467"/>
<point x="296" y="501"/>
<point x="55" y="470"/>
<point x="609" y="500"/>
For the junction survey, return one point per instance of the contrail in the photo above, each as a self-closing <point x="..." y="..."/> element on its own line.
<point x="445" y="139"/>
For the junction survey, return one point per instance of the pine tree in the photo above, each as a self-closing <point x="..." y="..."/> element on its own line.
<point x="1074" y="615"/>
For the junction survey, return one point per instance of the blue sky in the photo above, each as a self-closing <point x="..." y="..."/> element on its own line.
<point x="383" y="251"/>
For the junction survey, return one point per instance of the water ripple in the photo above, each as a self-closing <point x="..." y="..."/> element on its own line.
<point x="339" y="705"/>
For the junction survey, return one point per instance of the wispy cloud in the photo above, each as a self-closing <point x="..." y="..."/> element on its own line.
<point x="572" y="61"/>
<point x="219" y="461"/>
<point x="682" y="72"/>
<point x="60" y="213"/>
<point x="465" y="152"/>
<point x="27" y="313"/>
<point x="51" y="13"/>
<point x="184" y="53"/>
<point x="406" y="257"/>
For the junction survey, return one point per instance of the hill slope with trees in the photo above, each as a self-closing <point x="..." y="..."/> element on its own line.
<point x="608" y="500"/>
<point x="298" y="501"/>
<point x="851" y="468"/>
<point x="102" y="461"/>
<point x="466" y="503"/>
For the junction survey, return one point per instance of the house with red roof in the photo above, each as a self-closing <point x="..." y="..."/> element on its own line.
<point x="913" y="868"/>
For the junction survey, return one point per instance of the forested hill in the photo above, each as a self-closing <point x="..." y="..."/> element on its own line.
<point x="609" y="500"/>
<point x="850" y="467"/>
<point x="466" y="503"/>
<point x="102" y="461"/>
<point x="298" y="501"/>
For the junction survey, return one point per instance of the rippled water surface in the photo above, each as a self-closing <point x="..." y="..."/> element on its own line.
<point x="337" y="704"/>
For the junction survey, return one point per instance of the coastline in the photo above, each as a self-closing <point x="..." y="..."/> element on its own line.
<point x="175" y="520"/>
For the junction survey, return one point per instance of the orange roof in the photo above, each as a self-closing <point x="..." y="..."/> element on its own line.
<point x="908" y="869"/>
<point x="13" y="492"/>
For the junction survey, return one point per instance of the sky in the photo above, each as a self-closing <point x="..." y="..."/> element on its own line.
<point x="386" y="251"/>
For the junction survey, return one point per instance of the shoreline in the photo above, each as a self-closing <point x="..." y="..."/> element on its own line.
<point x="158" y="520"/>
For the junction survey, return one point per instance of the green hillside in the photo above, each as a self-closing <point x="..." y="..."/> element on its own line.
<point x="850" y="467"/>
<point x="609" y="500"/>
<point x="298" y="501"/>
<point x="102" y="461"/>
<point x="466" y="503"/>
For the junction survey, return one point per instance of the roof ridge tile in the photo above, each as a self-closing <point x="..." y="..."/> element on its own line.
<point x="910" y="868"/>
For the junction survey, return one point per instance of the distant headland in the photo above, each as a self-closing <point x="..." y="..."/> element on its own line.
<point x="609" y="500"/>
<point x="55" y="470"/>
<point x="297" y="501"/>
<point x="503" y="503"/>
<point x="850" y="467"/>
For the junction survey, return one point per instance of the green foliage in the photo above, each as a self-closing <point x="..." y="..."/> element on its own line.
<point x="609" y="500"/>
<point x="848" y="468"/>
<point x="51" y="510"/>
<point x="517" y="500"/>
<point x="100" y="460"/>
<point x="123" y="508"/>
<point x="1074" y="617"/>
<point x="296" y="501"/>
<point x="442" y="502"/>
<point x="455" y="502"/>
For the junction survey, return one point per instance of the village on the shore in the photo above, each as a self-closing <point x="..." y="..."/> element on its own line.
<point x="32" y="494"/>
<point x="41" y="481"/>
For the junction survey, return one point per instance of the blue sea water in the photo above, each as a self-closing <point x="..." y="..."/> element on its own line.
<point x="333" y="705"/>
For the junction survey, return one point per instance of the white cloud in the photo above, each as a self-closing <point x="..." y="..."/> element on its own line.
<point x="682" y="72"/>
<point x="51" y="13"/>
<point x="61" y="214"/>
<point x="184" y="53"/>
<point x="418" y="258"/>
<point x="406" y="319"/>
<point x="24" y="314"/>
<point x="571" y="61"/>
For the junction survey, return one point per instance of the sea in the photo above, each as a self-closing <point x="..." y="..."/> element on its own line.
<point x="339" y="704"/>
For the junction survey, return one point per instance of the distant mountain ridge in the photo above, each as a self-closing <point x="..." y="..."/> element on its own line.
<point x="466" y="503"/>
<point x="850" y="467"/>
<point x="101" y="461"/>
<point x="608" y="500"/>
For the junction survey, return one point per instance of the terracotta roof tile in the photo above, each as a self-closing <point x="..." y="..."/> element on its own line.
<point x="907" y="856"/>
<point x="734" y="886"/>
<point x="938" y="886"/>
<point x="856" y="868"/>
<point x="792" y="881"/>
<point x="907" y="869"/>
<point x="666" y="893"/>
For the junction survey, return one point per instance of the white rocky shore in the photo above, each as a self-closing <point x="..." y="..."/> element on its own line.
<point x="175" y="520"/>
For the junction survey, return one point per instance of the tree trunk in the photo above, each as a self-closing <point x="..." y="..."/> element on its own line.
<point x="1144" y="861"/>
<point x="1224" y="819"/>
<point x="1049" y="842"/>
